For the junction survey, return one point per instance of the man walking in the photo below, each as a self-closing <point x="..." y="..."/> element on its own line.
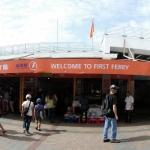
<point x="27" y="118"/>
<point x="112" y="117"/>
<point x="129" y="102"/>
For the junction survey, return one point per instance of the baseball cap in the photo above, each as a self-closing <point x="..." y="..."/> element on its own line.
<point x="38" y="100"/>
<point x="114" y="87"/>
<point x="28" y="96"/>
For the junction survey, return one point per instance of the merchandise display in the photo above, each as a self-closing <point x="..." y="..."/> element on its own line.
<point x="69" y="117"/>
<point x="94" y="115"/>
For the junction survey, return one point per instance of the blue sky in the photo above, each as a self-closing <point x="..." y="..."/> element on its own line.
<point x="27" y="21"/>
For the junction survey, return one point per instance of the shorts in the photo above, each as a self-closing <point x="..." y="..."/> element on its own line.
<point x="38" y="119"/>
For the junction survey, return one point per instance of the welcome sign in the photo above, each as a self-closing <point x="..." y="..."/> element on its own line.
<point x="90" y="66"/>
<point x="76" y="66"/>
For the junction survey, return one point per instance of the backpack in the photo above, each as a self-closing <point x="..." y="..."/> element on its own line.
<point x="106" y="110"/>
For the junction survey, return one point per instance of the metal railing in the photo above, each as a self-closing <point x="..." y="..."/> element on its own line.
<point x="127" y="31"/>
<point x="48" y="47"/>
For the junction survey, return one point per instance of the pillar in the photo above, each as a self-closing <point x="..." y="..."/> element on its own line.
<point x="106" y="81"/>
<point x="74" y="92"/>
<point x="129" y="83"/>
<point x="21" y="99"/>
<point x="132" y="88"/>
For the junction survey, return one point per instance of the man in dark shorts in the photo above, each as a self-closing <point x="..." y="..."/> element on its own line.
<point x="39" y="113"/>
<point x="112" y="117"/>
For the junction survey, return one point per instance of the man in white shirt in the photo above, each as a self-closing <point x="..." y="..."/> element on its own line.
<point x="129" y="102"/>
<point x="29" y="116"/>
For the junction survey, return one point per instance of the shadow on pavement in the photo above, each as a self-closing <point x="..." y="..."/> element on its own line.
<point x="12" y="135"/>
<point x="134" y="139"/>
<point x="49" y="132"/>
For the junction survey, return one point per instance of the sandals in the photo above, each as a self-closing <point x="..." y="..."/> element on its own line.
<point x="38" y="129"/>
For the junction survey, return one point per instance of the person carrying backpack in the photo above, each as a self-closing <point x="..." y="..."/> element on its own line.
<point x="38" y="113"/>
<point x="109" y="110"/>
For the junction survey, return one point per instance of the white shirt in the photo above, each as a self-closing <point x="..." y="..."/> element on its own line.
<point x="25" y="104"/>
<point x="129" y="100"/>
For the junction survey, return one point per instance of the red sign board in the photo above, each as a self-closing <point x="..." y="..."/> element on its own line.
<point x="76" y="66"/>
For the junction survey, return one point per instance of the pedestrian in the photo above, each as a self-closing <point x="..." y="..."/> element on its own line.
<point x="27" y="118"/>
<point x="39" y="114"/>
<point x="84" y="107"/>
<point x="1" y="98"/>
<point x="12" y="97"/>
<point x="6" y="99"/>
<point x="129" y="103"/>
<point x="112" y="117"/>
<point x="49" y="100"/>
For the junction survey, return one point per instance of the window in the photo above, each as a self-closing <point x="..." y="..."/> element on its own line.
<point x="143" y="57"/>
<point x="120" y="55"/>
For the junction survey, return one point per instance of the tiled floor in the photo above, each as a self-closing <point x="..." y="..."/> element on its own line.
<point x="73" y="136"/>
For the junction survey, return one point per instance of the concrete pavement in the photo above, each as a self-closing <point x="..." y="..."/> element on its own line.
<point x="73" y="136"/>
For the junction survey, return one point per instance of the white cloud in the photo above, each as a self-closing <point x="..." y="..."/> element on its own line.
<point x="133" y="23"/>
<point x="30" y="21"/>
<point x="143" y="7"/>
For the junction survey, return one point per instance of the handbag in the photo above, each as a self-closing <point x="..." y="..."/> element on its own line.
<point x="45" y="106"/>
<point x="25" y="111"/>
<point x="41" y="115"/>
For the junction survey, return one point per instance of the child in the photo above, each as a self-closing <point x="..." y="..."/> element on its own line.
<point x="38" y="113"/>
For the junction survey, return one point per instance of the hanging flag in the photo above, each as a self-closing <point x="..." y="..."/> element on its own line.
<point x="91" y="33"/>
<point x="92" y="29"/>
<point x="92" y="25"/>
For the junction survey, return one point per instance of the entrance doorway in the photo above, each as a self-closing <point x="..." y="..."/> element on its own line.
<point x="121" y="93"/>
<point x="63" y="88"/>
<point x="142" y="93"/>
<point x="5" y="83"/>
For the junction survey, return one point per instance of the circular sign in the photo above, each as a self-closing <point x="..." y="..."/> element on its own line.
<point x="32" y="65"/>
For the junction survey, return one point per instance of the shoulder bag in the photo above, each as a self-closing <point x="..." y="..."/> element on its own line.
<point x="25" y="110"/>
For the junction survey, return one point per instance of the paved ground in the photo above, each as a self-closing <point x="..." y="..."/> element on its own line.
<point x="72" y="136"/>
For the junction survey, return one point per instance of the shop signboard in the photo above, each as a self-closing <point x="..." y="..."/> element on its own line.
<point x="76" y="66"/>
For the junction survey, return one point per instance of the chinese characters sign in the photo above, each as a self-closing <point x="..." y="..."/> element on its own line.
<point x="3" y="67"/>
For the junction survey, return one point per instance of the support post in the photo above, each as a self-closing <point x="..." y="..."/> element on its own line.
<point x="21" y="92"/>
<point x="74" y="92"/>
<point x="129" y="83"/>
